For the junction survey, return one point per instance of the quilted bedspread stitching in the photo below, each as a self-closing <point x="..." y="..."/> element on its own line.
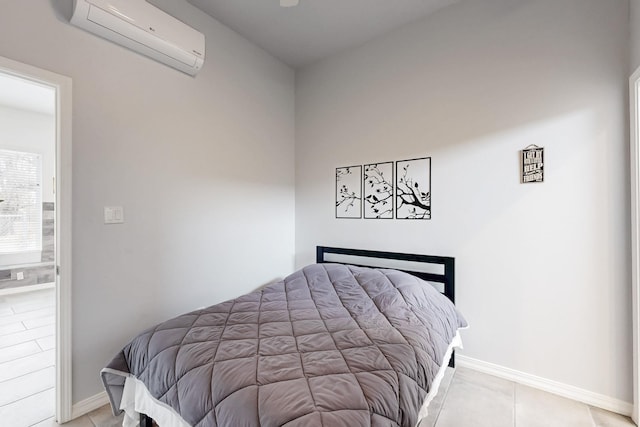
<point x="312" y="313"/>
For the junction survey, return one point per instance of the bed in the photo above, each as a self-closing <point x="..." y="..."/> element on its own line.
<point x="337" y="343"/>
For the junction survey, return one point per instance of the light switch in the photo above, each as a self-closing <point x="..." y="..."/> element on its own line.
<point x="113" y="215"/>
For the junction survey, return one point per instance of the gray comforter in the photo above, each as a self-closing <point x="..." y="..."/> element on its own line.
<point x="330" y="345"/>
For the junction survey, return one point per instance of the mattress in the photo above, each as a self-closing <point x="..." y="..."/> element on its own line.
<point x="330" y="345"/>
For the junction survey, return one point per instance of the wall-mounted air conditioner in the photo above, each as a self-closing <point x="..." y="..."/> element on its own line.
<point x="143" y="28"/>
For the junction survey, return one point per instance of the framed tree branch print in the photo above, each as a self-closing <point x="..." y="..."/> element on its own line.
<point x="378" y="190"/>
<point x="349" y="192"/>
<point x="413" y="189"/>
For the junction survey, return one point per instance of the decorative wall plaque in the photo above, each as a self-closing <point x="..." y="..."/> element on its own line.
<point x="532" y="161"/>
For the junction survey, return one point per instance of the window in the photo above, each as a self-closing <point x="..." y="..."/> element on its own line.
<point x="20" y="207"/>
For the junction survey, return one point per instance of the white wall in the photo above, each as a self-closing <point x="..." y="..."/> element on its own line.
<point x="22" y="130"/>
<point x="634" y="33"/>
<point x="542" y="269"/>
<point x="203" y="168"/>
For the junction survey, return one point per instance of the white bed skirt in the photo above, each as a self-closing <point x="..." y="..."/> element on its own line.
<point x="136" y="399"/>
<point x="424" y="412"/>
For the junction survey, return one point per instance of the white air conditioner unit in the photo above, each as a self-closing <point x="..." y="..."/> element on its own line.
<point x="143" y="28"/>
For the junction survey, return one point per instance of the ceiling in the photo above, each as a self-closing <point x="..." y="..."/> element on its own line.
<point x="315" y="29"/>
<point x="25" y="95"/>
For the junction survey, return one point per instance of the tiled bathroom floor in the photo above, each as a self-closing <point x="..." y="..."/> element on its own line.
<point x="27" y="358"/>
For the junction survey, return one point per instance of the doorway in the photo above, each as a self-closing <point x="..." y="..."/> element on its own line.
<point x="634" y="98"/>
<point x="35" y="244"/>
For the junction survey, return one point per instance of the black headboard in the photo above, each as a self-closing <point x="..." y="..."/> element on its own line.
<point x="447" y="278"/>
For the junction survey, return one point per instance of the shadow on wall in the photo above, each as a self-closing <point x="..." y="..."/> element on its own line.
<point x="63" y="9"/>
<point x="471" y="70"/>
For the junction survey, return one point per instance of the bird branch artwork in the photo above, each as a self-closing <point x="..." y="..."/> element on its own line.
<point x="378" y="190"/>
<point x="349" y="192"/>
<point x="413" y="189"/>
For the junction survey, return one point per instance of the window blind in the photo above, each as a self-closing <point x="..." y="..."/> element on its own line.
<point x="21" y="206"/>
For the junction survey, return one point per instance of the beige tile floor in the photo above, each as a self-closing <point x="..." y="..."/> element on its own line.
<point x="469" y="398"/>
<point x="466" y="398"/>
<point x="99" y="418"/>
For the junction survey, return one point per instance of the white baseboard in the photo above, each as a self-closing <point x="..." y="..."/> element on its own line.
<point x="561" y="389"/>
<point x="89" y="404"/>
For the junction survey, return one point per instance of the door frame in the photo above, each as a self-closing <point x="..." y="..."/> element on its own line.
<point x="634" y="98"/>
<point x="62" y="86"/>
